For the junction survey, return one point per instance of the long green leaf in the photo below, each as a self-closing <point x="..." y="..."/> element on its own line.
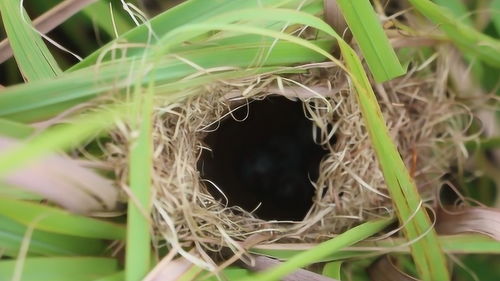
<point x="370" y="36"/>
<point x="426" y="251"/>
<point x="45" y="243"/>
<point x="39" y="100"/>
<point x="465" y="37"/>
<point x="137" y="260"/>
<point x="59" y="221"/>
<point x="194" y="11"/>
<point x="59" y="269"/>
<point x="452" y="244"/>
<point x="14" y="129"/>
<point x="324" y="249"/>
<point x="32" y="55"/>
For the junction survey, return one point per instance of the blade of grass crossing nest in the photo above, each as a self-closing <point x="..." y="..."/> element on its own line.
<point x="138" y="249"/>
<point x="264" y="263"/>
<point x="322" y="250"/>
<point x="452" y="244"/>
<point x="32" y="55"/>
<point x="426" y="251"/>
<point x="369" y="34"/>
<point x="28" y="103"/>
<point x="465" y="37"/>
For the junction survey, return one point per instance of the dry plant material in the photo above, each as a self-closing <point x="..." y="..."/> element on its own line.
<point x="64" y="181"/>
<point x="471" y="219"/>
<point x="426" y="122"/>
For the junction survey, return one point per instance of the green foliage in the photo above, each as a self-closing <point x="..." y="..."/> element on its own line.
<point x="32" y="55"/>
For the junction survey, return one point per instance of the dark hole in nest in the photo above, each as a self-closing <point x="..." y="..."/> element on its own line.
<point x="270" y="159"/>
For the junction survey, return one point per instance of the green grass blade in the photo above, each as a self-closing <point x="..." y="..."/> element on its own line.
<point x="465" y="37"/>
<point x="452" y="244"/>
<point x="324" y="249"/>
<point x="59" y="221"/>
<point x="14" y="129"/>
<point x="58" y="138"/>
<point x="457" y="8"/>
<point x="99" y="13"/>
<point x="138" y="253"/>
<point x="374" y="44"/>
<point x="495" y="14"/>
<point x="45" y="243"/>
<point x="194" y="11"/>
<point x="119" y="276"/>
<point x="333" y="270"/>
<point x="17" y="193"/>
<point x="39" y="100"/>
<point x="426" y="251"/>
<point x="32" y="55"/>
<point x="59" y="268"/>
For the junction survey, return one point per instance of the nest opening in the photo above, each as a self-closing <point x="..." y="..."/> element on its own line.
<point x="264" y="159"/>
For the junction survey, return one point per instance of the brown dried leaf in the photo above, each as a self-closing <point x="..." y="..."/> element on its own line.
<point x="473" y="219"/>
<point x="384" y="270"/>
<point x="64" y="181"/>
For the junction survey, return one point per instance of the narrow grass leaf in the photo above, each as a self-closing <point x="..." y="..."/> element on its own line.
<point x="32" y="55"/>
<point x="14" y="129"/>
<point x="43" y="99"/>
<point x="457" y="8"/>
<point x="465" y="37"/>
<point x="262" y="263"/>
<point x="452" y="244"/>
<point x="495" y="14"/>
<point x="332" y="269"/>
<point x="55" y="220"/>
<point x="99" y="12"/>
<point x="194" y="11"/>
<point x="48" y="21"/>
<point x="322" y="250"/>
<point x="369" y="34"/>
<point x="59" y="268"/>
<point x="57" y="138"/>
<point x="138" y="248"/>
<point x="45" y="243"/>
<point x="119" y="276"/>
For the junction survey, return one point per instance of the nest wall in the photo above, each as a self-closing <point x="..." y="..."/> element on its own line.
<point x="425" y="122"/>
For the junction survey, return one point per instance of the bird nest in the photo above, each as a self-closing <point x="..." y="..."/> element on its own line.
<point x="287" y="156"/>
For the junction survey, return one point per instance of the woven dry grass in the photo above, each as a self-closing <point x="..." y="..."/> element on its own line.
<point x="426" y="122"/>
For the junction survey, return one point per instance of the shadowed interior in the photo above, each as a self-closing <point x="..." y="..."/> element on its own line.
<point x="270" y="159"/>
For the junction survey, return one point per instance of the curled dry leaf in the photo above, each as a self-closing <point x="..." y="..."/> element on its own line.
<point x="263" y="263"/>
<point x="473" y="219"/>
<point x="64" y="181"/>
<point x="384" y="270"/>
